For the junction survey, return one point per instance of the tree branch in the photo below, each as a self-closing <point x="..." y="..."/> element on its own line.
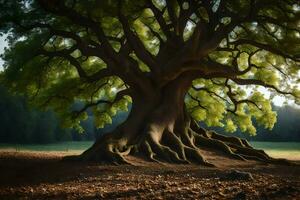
<point x="136" y="44"/>
<point x="266" y="47"/>
<point x="73" y="61"/>
<point x="240" y="81"/>
<point x="118" y="97"/>
<point x="160" y="19"/>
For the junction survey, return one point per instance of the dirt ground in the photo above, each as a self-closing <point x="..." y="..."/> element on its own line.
<point x="36" y="175"/>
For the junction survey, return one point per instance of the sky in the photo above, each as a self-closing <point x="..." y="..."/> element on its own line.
<point x="2" y="45"/>
<point x="277" y="100"/>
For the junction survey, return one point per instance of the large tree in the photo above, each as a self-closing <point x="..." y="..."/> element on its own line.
<point x="177" y="62"/>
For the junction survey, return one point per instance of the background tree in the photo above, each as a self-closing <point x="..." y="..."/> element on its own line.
<point x="20" y="124"/>
<point x="286" y="128"/>
<point x="176" y="61"/>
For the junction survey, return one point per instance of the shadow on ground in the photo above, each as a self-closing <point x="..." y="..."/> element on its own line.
<point x="45" y="176"/>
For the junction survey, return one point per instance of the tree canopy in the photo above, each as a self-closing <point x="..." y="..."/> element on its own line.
<point x="93" y="50"/>
<point x="106" y="53"/>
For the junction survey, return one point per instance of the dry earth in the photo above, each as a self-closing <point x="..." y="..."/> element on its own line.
<point x="29" y="175"/>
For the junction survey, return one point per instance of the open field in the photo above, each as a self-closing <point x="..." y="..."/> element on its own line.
<point x="37" y="172"/>
<point x="42" y="175"/>
<point x="64" y="147"/>
<point x="289" y="150"/>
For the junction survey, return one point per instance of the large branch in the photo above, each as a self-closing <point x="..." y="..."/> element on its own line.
<point x="211" y="93"/>
<point x="192" y="55"/>
<point x="87" y="48"/>
<point x="266" y="47"/>
<point x="118" y="97"/>
<point x="59" y="8"/>
<point x="81" y="45"/>
<point x="172" y="14"/>
<point x="240" y="81"/>
<point x="137" y="45"/>
<point x="235" y="101"/>
<point x="160" y="19"/>
<point x="205" y="67"/>
<point x="121" y="64"/>
<point x="65" y="54"/>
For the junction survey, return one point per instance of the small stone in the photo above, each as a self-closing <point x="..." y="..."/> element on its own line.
<point x="238" y="175"/>
<point x="240" y="196"/>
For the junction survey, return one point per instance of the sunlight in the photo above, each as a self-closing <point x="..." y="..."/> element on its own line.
<point x="114" y="90"/>
<point x="276" y="99"/>
<point x="279" y="101"/>
<point x="3" y="43"/>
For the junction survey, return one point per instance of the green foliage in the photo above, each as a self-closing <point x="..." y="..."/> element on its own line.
<point x="209" y="104"/>
<point x="286" y="129"/>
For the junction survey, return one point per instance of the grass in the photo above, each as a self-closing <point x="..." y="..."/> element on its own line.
<point x="289" y="150"/>
<point x="76" y="147"/>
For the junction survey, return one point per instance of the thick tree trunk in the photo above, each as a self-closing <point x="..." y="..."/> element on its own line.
<point x="159" y="128"/>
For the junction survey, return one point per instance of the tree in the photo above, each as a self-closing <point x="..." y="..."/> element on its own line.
<point x="23" y="124"/>
<point x="286" y="128"/>
<point x="175" y="61"/>
<point x="20" y="124"/>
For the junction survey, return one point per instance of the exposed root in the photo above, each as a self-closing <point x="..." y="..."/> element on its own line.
<point x="116" y="158"/>
<point x="171" y="149"/>
<point x="160" y="152"/>
<point x="233" y="140"/>
<point x="107" y="157"/>
<point x="234" y="147"/>
<point x="163" y="145"/>
<point x="255" y="153"/>
<point x="195" y="156"/>
<point x="202" y="141"/>
<point x="105" y="151"/>
<point x="174" y="142"/>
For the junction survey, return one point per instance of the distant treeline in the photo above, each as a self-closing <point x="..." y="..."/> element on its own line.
<point x="287" y="127"/>
<point x="19" y="123"/>
<point x="22" y="124"/>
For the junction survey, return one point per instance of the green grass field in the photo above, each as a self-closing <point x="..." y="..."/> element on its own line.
<point x="290" y="150"/>
<point x="76" y="147"/>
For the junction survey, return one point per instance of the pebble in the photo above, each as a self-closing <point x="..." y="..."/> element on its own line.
<point x="237" y="175"/>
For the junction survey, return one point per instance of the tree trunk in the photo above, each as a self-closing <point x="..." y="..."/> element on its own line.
<point x="159" y="128"/>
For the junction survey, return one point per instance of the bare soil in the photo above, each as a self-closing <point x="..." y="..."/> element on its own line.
<point x="36" y="175"/>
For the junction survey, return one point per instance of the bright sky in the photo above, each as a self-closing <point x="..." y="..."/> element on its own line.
<point x="2" y="45"/>
<point x="277" y="100"/>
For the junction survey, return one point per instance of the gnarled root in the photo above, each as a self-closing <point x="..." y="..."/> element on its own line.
<point x="171" y="149"/>
<point x="163" y="145"/>
<point x="105" y="150"/>
<point x="233" y="146"/>
<point x="202" y="141"/>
